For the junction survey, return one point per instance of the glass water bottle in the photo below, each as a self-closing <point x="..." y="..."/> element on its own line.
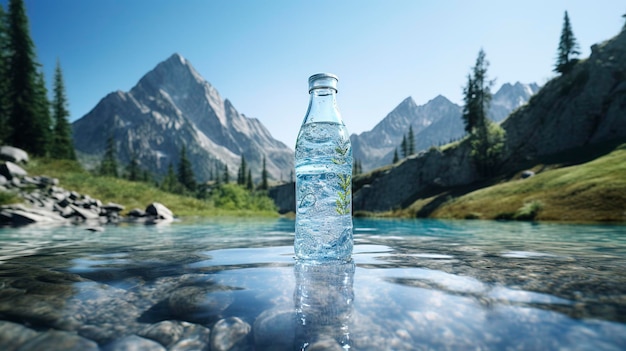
<point x="323" y="178"/>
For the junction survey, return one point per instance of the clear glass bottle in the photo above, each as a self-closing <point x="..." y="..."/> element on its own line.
<point x="323" y="178"/>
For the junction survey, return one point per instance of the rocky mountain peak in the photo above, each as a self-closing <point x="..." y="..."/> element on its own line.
<point x="434" y="123"/>
<point x="174" y="106"/>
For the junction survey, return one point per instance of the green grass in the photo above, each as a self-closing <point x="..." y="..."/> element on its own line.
<point x="592" y="191"/>
<point x="7" y="198"/>
<point x="130" y="194"/>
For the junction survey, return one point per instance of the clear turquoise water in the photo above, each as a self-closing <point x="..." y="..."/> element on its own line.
<point x="413" y="285"/>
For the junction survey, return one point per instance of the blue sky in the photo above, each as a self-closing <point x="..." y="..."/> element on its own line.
<point x="259" y="54"/>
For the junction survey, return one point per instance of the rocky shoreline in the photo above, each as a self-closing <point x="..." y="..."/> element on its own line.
<point x="45" y="202"/>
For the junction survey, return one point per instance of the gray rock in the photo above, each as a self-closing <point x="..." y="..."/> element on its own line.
<point x="275" y="329"/>
<point x="13" y="335"/>
<point x="198" y="304"/>
<point x="527" y="174"/>
<point x="195" y="338"/>
<point x="13" y="154"/>
<point x="159" y="211"/>
<point x="166" y="332"/>
<point x="3" y="180"/>
<point x="133" y="343"/>
<point x="84" y="213"/>
<point x="230" y="334"/>
<point x="55" y="340"/>
<point x="47" y="181"/>
<point x="21" y="215"/>
<point x="10" y="170"/>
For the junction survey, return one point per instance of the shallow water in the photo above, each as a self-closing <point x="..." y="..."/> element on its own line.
<point x="234" y="284"/>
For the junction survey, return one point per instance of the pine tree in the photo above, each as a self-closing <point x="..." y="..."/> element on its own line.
<point x="170" y="183"/>
<point x="356" y="167"/>
<point x="404" y="147"/>
<point x="249" y="183"/>
<point x="395" y="156"/>
<point x="477" y="94"/>
<point x="62" y="146"/>
<point x="485" y="137"/>
<point x="133" y="173"/>
<point x="568" y="47"/>
<point x="26" y="90"/>
<point x="108" y="165"/>
<point x="242" y="173"/>
<point x="226" y="176"/>
<point x="264" y="184"/>
<point x="4" y="87"/>
<point x="411" y="141"/>
<point x="185" y="172"/>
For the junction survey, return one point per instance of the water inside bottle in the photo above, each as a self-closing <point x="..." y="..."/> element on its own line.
<point x="323" y="192"/>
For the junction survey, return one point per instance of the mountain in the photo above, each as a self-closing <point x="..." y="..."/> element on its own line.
<point x="510" y="97"/>
<point x="173" y="106"/>
<point x="434" y="123"/>
<point x="372" y="148"/>
<point x="571" y="119"/>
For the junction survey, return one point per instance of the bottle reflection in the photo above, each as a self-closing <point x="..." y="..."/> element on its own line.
<point x="323" y="302"/>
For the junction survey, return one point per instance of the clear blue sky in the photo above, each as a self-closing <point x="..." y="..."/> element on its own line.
<point x="259" y="54"/>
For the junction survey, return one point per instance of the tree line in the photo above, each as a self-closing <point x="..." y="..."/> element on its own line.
<point x="28" y="119"/>
<point x="181" y="179"/>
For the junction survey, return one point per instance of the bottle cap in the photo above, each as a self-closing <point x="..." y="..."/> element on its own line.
<point x="323" y="80"/>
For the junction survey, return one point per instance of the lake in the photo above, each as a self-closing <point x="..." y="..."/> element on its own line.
<point x="233" y="284"/>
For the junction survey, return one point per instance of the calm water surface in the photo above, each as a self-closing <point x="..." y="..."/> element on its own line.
<point x="234" y="284"/>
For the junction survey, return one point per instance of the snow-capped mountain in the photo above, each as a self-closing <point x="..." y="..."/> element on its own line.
<point x="434" y="123"/>
<point x="510" y="97"/>
<point x="173" y="106"/>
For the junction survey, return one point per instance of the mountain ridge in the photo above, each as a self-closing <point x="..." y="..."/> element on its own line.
<point x="436" y="122"/>
<point x="173" y="106"/>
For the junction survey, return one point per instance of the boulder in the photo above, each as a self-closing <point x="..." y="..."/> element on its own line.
<point x="527" y="174"/>
<point x="21" y="215"/>
<point x="54" y="340"/>
<point x="13" y="154"/>
<point x="230" y="334"/>
<point x="165" y="332"/>
<point x="159" y="211"/>
<point x="10" y="170"/>
<point x="84" y="213"/>
<point x="133" y="342"/>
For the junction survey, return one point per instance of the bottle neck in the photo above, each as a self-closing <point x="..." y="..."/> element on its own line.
<point x="323" y="106"/>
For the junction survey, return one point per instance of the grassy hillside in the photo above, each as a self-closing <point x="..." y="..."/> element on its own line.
<point x="592" y="191"/>
<point x="132" y="194"/>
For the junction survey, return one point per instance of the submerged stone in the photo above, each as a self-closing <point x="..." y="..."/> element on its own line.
<point x="55" y="340"/>
<point x="133" y="343"/>
<point x="230" y="334"/>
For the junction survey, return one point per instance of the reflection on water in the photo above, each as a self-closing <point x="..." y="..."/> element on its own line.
<point x="323" y="301"/>
<point x="233" y="284"/>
